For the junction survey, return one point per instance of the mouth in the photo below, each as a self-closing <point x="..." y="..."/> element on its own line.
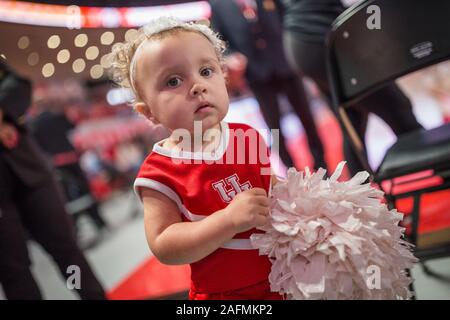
<point x="203" y="107"/>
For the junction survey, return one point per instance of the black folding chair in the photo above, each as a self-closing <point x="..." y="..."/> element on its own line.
<point x="414" y="34"/>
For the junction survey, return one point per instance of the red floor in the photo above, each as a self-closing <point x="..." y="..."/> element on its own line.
<point x="153" y="279"/>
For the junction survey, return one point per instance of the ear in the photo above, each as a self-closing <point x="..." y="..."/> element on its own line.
<point x="144" y="109"/>
<point x="224" y="69"/>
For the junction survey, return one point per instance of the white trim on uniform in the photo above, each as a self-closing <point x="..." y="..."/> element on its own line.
<point x="238" y="244"/>
<point x="211" y="156"/>
<point x="158" y="186"/>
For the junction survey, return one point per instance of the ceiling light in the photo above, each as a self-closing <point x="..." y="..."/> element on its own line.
<point x="131" y="34"/>
<point x="63" y="56"/>
<point x="105" y="61"/>
<point x="96" y="71"/>
<point x="78" y="65"/>
<point x="33" y="59"/>
<point x="48" y="70"/>
<point x="23" y="42"/>
<point x="107" y="38"/>
<point x="81" y="40"/>
<point x="92" y="53"/>
<point x="53" y="42"/>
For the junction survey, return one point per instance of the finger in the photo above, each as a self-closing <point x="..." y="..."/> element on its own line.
<point x="262" y="200"/>
<point x="258" y="191"/>
<point x="260" y="220"/>
<point x="263" y="211"/>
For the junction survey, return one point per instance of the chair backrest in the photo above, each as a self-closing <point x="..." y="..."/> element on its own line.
<point x="413" y="34"/>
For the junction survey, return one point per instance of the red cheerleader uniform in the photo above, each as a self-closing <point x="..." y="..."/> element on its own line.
<point x="203" y="183"/>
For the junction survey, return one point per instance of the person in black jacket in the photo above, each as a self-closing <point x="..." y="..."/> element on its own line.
<point x="52" y="122"/>
<point x="306" y="25"/>
<point x="31" y="203"/>
<point x="253" y="28"/>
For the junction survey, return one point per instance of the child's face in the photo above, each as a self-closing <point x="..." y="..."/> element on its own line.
<point x="181" y="81"/>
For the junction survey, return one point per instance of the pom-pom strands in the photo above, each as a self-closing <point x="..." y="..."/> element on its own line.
<point x="334" y="240"/>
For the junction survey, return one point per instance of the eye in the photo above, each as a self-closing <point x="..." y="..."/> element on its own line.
<point x="206" y="72"/>
<point x="174" y="82"/>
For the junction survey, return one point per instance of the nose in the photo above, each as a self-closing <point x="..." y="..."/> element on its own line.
<point x="197" y="89"/>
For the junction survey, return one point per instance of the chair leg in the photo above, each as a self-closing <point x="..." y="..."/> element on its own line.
<point x="411" y="285"/>
<point x="414" y="239"/>
<point x="390" y="201"/>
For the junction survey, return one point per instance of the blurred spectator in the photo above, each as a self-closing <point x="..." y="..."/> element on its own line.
<point x="253" y="32"/>
<point x="306" y="25"/>
<point x="437" y="82"/>
<point x="30" y="201"/>
<point x="51" y="129"/>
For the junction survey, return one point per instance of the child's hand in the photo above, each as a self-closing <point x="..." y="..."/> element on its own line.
<point x="249" y="209"/>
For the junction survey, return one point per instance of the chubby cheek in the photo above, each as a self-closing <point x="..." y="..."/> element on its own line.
<point x="222" y="110"/>
<point x="224" y="102"/>
<point x="171" y="114"/>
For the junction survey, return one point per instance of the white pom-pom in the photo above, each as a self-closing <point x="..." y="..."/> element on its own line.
<point x="334" y="240"/>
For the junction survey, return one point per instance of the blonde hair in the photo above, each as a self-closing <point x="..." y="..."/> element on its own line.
<point x="122" y="58"/>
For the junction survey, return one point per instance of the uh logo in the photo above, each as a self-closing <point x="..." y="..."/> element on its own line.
<point x="229" y="187"/>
